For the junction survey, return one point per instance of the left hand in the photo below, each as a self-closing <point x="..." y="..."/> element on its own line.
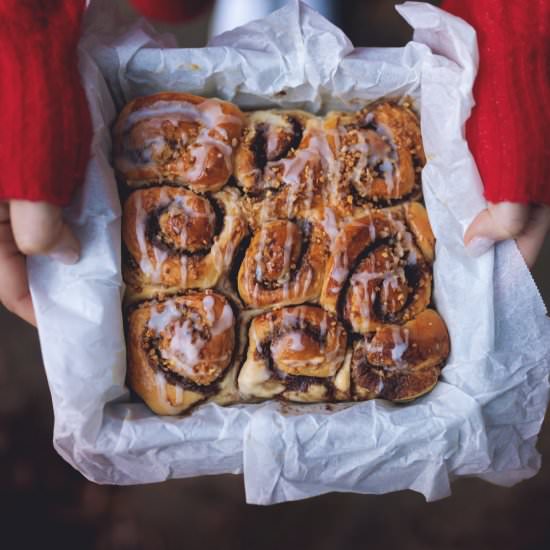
<point x="527" y="224"/>
<point x="29" y="228"/>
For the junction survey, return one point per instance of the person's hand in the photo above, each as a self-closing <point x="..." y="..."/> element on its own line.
<point x="528" y="224"/>
<point x="29" y="228"/>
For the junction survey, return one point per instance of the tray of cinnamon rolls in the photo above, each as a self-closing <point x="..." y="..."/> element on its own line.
<point x="275" y="254"/>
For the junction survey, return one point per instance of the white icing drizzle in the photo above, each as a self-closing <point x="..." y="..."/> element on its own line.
<point x="161" y="383"/>
<point x="306" y="281"/>
<point x="204" y="142"/>
<point x="392" y="280"/>
<point x="372" y="232"/>
<point x="380" y="385"/>
<point x="340" y="268"/>
<point x="372" y="154"/>
<point x="213" y="116"/>
<point x="149" y="266"/>
<point x="224" y="322"/>
<point x="208" y="305"/>
<point x="400" y="345"/>
<point x="330" y="225"/>
<point x="289" y="318"/>
<point x="152" y="258"/>
<point x="388" y="165"/>
<point x="362" y="148"/>
<point x="173" y="111"/>
<point x="185" y="348"/>
<point x="273" y="138"/>
<point x="209" y="114"/>
<point x="258" y="260"/>
<point x="159" y="320"/>
<point x="254" y="337"/>
<point x="296" y="343"/>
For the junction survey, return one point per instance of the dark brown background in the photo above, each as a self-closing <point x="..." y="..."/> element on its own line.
<point x="43" y="500"/>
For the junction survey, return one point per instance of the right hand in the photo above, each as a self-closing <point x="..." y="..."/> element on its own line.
<point x="27" y="229"/>
<point x="527" y="224"/>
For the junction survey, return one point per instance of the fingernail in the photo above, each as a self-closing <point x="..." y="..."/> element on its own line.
<point x="65" y="256"/>
<point x="478" y="246"/>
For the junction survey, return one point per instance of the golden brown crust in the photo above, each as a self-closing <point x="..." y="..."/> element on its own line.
<point x="400" y="363"/>
<point x="283" y="265"/>
<point x="177" y="239"/>
<point x="295" y="353"/>
<point x="330" y="205"/>
<point x="180" y="350"/>
<point x="179" y="138"/>
<point x="378" y="156"/>
<point x="419" y="225"/>
<point x="377" y="274"/>
<point x="279" y="164"/>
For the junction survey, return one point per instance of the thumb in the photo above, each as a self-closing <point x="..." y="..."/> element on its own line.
<point x="38" y="228"/>
<point x="498" y="222"/>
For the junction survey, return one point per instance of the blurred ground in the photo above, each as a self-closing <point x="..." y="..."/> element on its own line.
<point x="42" y="499"/>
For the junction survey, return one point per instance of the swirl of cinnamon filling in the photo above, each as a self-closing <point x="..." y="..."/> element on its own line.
<point x="284" y="264"/>
<point x="180" y="348"/>
<point x="296" y="353"/>
<point x="400" y="362"/>
<point x="380" y="271"/>
<point x="378" y="157"/>
<point x="179" y="138"/>
<point x="279" y="164"/>
<point x="177" y="239"/>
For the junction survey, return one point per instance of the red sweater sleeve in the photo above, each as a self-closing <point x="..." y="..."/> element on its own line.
<point x="508" y="127"/>
<point x="45" y="128"/>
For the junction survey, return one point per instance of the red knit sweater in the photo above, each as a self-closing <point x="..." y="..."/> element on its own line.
<point x="45" y="130"/>
<point x="506" y="132"/>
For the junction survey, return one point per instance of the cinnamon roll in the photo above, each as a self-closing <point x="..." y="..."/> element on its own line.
<point x="284" y="264"/>
<point x="400" y="362"/>
<point x="298" y="354"/>
<point x="378" y="156"/>
<point x="380" y="270"/>
<point x="179" y="138"/>
<point x="311" y="270"/>
<point x="180" y="351"/>
<point x="176" y="239"/>
<point x="278" y="164"/>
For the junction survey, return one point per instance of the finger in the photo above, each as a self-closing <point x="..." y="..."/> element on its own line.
<point x="531" y="240"/>
<point x="498" y="222"/>
<point x="14" y="285"/>
<point x="38" y="228"/>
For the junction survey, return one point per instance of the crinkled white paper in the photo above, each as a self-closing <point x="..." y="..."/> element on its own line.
<point x="483" y="417"/>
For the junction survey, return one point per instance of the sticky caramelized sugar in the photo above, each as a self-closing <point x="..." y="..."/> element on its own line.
<point x="294" y="350"/>
<point x="187" y="224"/>
<point x="283" y="264"/>
<point x="279" y="246"/>
<point x="328" y="204"/>
<point x="177" y="137"/>
<point x="378" y="287"/>
<point x="300" y="341"/>
<point x="176" y="239"/>
<point x="192" y="336"/>
<point x="401" y="362"/>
